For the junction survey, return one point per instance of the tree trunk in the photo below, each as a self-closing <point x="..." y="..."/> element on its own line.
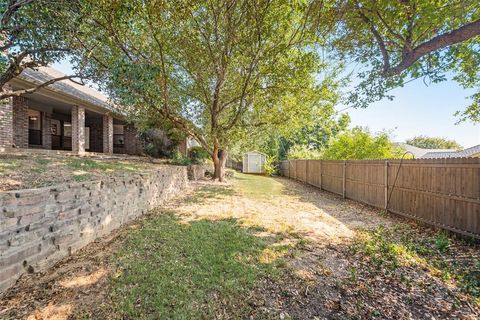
<point x="219" y="160"/>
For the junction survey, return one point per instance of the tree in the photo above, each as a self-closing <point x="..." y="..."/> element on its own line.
<point x="35" y="33"/>
<point x="311" y="138"/>
<point x="399" y="41"/>
<point x="219" y="71"/>
<point x="433" y="143"/>
<point x="359" y="143"/>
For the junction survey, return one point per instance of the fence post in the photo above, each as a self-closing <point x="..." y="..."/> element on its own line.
<point x="320" y="172"/>
<point x="306" y="172"/>
<point x="386" y="184"/>
<point x="344" y="177"/>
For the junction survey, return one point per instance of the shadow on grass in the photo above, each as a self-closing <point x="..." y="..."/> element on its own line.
<point x="198" y="270"/>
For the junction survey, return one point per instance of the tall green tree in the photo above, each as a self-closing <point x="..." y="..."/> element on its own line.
<point x="36" y="33"/>
<point x="219" y="71"/>
<point x="359" y="143"/>
<point x="433" y="143"/>
<point x="399" y="41"/>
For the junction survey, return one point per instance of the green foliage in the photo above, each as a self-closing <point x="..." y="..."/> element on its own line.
<point x="359" y="143"/>
<point x="202" y="268"/>
<point x="399" y="41"/>
<point x="198" y="154"/>
<point x="36" y="33"/>
<point x="270" y="166"/>
<point x="179" y="160"/>
<point x="218" y="71"/>
<point x="433" y="143"/>
<point x="303" y="152"/>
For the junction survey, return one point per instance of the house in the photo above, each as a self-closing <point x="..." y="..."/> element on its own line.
<point x="420" y="152"/>
<point x="254" y="162"/>
<point x="472" y="152"/>
<point x="63" y="116"/>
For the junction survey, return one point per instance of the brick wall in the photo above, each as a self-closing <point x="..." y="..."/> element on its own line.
<point x="40" y="226"/>
<point x="133" y="143"/>
<point x="20" y="122"/>
<point x="6" y="123"/>
<point x="96" y="134"/>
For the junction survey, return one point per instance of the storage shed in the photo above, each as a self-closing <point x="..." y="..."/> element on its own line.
<point x="254" y="162"/>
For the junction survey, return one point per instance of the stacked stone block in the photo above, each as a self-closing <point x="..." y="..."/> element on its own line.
<point x="40" y="226"/>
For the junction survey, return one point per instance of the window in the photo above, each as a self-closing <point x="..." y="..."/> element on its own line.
<point x="34" y="127"/>
<point x="118" y="135"/>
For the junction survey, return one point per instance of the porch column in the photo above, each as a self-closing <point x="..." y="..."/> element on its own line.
<point x="107" y="134"/>
<point x="6" y="122"/>
<point x="46" y="133"/>
<point x="20" y="122"/>
<point x="78" y="129"/>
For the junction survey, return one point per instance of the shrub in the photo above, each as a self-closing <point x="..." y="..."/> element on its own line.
<point x="302" y="152"/>
<point x="270" y="166"/>
<point x="198" y="154"/>
<point x="179" y="160"/>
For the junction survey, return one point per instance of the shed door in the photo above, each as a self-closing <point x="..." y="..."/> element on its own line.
<point x="255" y="163"/>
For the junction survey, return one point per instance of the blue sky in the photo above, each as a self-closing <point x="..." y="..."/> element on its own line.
<point x="417" y="109"/>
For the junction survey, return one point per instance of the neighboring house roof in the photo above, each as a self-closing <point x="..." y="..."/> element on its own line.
<point x="65" y="87"/>
<point x="465" y="153"/>
<point x="420" y="152"/>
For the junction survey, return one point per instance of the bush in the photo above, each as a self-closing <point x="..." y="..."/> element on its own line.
<point x="270" y="166"/>
<point x="179" y="160"/>
<point x="198" y="154"/>
<point x="302" y="152"/>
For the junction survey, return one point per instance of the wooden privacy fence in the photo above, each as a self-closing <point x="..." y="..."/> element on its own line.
<point x="440" y="192"/>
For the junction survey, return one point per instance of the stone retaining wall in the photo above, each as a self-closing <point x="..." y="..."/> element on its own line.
<point x="40" y="226"/>
<point x="197" y="171"/>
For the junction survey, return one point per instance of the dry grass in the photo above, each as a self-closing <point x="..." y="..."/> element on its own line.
<point x="36" y="170"/>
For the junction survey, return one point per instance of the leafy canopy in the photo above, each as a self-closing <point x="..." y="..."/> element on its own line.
<point x="433" y="143"/>
<point x="220" y="71"/>
<point x="398" y="41"/>
<point x="33" y="34"/>
<point x="359" y="143"/>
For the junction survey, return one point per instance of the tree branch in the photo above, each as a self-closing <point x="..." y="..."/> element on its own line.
<point x="17" y="93"/>
<point x="461" y="34"/>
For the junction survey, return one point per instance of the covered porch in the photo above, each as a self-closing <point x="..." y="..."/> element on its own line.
<point x="65" y="118"/>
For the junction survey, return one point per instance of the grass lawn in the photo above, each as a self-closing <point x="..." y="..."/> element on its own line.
<point x="34" y="171"/>
<point x="203" y="269"/>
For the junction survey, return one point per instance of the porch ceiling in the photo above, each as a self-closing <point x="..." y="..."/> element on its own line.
<point x="53" y="105"/>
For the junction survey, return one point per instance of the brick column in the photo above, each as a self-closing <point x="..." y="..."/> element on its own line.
<point x="46" y="133"/>
<point x="78" y="129"/>
<point x="20" y="122"/>
<point x="6" y="123"/>
<point x="107" y="134"/>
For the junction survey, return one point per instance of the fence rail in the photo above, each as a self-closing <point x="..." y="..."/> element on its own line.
<point x="440" y="192"/>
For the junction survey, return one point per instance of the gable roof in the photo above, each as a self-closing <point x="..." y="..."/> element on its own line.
<point x="420" y="152"/>
<point x="465" y="153"/>
<point x="65" y="87"/>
